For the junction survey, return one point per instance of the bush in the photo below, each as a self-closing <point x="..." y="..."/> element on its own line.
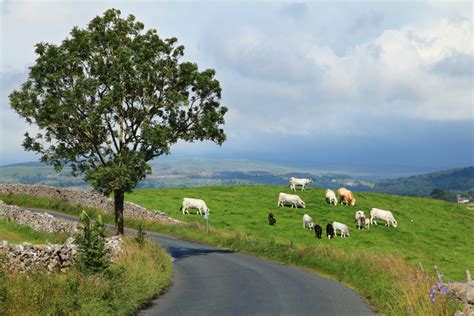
<point x="92" y="254"/>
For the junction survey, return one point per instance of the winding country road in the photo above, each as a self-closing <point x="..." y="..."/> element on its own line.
<point x="214" y="281"/>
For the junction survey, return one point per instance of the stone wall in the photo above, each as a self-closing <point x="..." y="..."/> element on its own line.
<point x="38" y="221"/>
<point x="464" y="292"/>
<point x="52" y="257"/>
<point x="88" y="198"/>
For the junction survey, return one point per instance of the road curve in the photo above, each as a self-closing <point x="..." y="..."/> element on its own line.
<point x="214" y="281"/>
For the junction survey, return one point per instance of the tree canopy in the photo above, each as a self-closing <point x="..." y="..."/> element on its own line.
<point x="113" y="96"/>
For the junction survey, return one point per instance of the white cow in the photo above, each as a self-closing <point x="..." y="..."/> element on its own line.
<point x="308" y="222"/>
<point x="359" y="214"/>
<point x="299" y="182"/>
<point x="198" y="204"/>
<point x="295" y="200"/>
<point x="331" y="197"/>
<point x="342" y="227"/>
<point x="360" y="219"/>
<point x="386" y="216"/>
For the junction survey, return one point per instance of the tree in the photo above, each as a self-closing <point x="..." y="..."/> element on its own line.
<point x="112" y="97"/>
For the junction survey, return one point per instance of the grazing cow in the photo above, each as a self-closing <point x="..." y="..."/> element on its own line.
<point x="194" y="203"/>
<point x="359" y="214"/>
<point x="360" y="222"/>
<point x="299" y="182"/>
<point x="318" y="231"/>
<point x="386" y="216"/>
<point x="308" y="222"/>
<point x="331" y="197"/>
<point x="329" y="231"/>
<point x="342" y="227"/>
<point x="271" y="220"/>
<point x="346" y="197"/>
<point x="294" y="200"/>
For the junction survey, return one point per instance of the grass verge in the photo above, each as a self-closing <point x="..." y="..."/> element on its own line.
<point x="16" y="233"/>
<point x="139" y="274"/>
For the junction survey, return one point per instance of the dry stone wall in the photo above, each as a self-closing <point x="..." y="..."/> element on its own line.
<point x="464" y="292"/>
<point x="88" y="198"/>
<point x="38" y="221"/>
<point x="51" y="257"/>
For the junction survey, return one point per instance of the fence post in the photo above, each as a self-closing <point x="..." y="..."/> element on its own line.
<point x="438" y="274"/>
<point x="468" y="276"/>
<point x="421" y="267"/>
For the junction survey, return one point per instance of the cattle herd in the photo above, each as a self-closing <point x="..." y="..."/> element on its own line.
<point x="345" y="198"/>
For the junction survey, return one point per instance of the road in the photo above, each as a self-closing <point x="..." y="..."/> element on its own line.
<point x="214" y="281"/>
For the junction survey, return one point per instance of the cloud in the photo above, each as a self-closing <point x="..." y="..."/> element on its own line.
<point x="390" y="75"/>
<point x="310" y="71"/>
<point x="296" y="11"/>
<point x="372" y="19"/>
<point x="457" y="65"/>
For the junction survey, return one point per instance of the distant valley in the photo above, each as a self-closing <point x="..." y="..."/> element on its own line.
<point x="203" y="172"/>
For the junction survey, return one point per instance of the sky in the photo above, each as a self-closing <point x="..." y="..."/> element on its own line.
<point x="359" y="85"/>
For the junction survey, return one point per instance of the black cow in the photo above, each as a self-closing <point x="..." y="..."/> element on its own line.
<point x="318" y="230"/>
<point x="329" y="231"/>
<point x="271" y="220"/>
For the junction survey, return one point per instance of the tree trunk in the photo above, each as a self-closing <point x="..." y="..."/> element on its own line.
<point x="118" y="203"/>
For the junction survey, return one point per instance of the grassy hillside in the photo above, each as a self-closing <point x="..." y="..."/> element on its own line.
<point x="429" y="231"/>
<point x="461" y="179"/>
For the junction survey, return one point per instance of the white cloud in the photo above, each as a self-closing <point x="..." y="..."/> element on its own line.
<point x="388" y="75"/>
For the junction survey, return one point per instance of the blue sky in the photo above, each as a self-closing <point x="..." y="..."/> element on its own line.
<point x="350" y="84"/>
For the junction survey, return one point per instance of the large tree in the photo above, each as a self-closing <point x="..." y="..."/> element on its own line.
<point x="113" y="96"/>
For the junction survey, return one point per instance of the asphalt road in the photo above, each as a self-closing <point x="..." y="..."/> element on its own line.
<point x="213" y="281"/>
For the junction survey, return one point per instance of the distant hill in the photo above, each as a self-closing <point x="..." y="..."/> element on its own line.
<point x="454" y="180"/>
<point x="191" y="173"/>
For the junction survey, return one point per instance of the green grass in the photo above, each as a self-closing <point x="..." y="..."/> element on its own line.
<point x="15" y="233"/>
<point x="140" y="274"/>
<point x="373" y="262"/>
<point x="430" y="231"/>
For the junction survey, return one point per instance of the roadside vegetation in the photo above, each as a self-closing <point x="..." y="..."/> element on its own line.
<point x="141" y="272"/>
<point x="381" y="263"/>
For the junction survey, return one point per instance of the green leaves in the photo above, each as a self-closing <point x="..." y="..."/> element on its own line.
<point x="113" y="96"/>
<point x="92" y="254"/>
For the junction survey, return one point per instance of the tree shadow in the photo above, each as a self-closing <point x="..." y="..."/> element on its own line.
<point x="179" y="253"/>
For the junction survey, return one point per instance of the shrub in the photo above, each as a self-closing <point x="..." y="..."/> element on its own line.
<point x="141" y="234"/>
<point x="92" y="254"/>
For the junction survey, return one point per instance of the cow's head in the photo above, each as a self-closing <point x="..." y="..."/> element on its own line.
<point x="302" y="204"/>
<point x="394" y="223"/>
<point x="353" y="202"/>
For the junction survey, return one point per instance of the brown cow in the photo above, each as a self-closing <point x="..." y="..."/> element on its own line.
<point x="346" y="197"/>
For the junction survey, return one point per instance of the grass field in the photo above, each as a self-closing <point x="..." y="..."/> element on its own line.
<point x="429" y="231"/>
<point x="372" y="262"/>
<point x="17" y="234"/>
